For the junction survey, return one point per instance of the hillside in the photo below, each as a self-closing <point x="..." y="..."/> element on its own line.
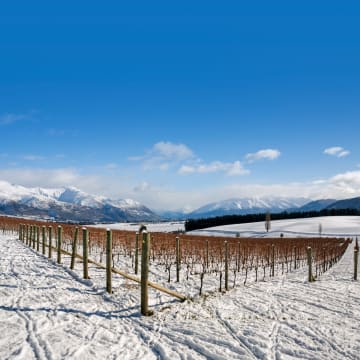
<point x="69" y="204"/>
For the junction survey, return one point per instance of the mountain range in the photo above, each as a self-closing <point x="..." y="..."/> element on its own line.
<point x="252" y="205"/>
<point x="72" y="204"/>
<point x="69" y="204"/>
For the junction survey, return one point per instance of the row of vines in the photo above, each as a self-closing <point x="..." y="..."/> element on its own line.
<point x="200" y="262"/>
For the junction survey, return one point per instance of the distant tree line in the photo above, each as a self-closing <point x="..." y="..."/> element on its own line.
<point x="195" y="224"/>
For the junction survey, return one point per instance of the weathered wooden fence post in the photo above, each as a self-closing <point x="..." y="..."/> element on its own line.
<point x="43" y="239"/>
<point x="33" y="236"/>
<point x="207" y="254"/>
<point x="20" y="232"/>
<point x="226" y="266"/>
<point x="108" y="260"/>
<point x="28" y="235"/>
<point x="37" y="238"/>
<point x="145" y="253"/>
<point x="136" y="253"/>
<point x="59" y="243"/>
<point x="50" y="241"/>
<point x="272" y="260"/>
<point x="86" y="252"/>
<point x="178" y="259"/>
<point x="309" y="259"/>
<point x="73" y="252"/>
<point x="356" y="259"/>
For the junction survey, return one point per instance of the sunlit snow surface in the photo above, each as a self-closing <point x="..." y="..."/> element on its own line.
<point x="330" y="226"/>
<point x="153" y="227"/>
<point x="49" y="312"/>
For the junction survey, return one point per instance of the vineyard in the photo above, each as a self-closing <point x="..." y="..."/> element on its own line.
<point x="188" y="264"/>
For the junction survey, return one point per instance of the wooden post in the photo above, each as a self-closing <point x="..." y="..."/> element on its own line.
<point x="226" y="266"/>
<point x="33" y="236"/>
<point x="20" y="232"/>
<point x="86" y="253"/>
<point x="207" y="254"/>
<point x="43" y="239"/>
<point x="272" y="260"/>
<point x="145" y="253"/>
<point x="59" y="243"/>
<point x="178" y="260"/>
<point x="136" y="253"/>
<point x="26" y="234"/>
<point x="50" y="241"/>
<point x="356" y="259"/>
<point x="73" y="253"/>
<point x="108" y="260"/>
<point x="37" y="238"/>
<point x="309" y="259"/>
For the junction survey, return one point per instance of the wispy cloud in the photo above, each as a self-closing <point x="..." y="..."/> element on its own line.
<point x="31" y="157"/>
<point x="111" y="166"/>
<point x="348" y="182"/>
<point x="337" y="151"/>
<point x="163" y="154"/>
<point x="142" y="187"/>
<point x="173" y="151"/>
<point x="230" y="169"/>
<point x="10" y="118"/>
<point x="56" y="132"/>
<point x="268" y="154"/>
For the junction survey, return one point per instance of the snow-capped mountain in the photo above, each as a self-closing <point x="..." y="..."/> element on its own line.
<point x="317" y="205"/>
<point x="248" y="206"/>
<point x="353" y="203"/>
<point x="66" y="204"/>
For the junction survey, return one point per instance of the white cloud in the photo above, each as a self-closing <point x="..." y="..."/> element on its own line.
<point x="337" y="151"/>
<point x="230" y="169"/>
<point x="111" y="166"/>
<point x="164" y="196"/>
<point x="33" y="157"/>
<point x="162" y="155"/>
<point x="41" y="177"/>
<point x="268" y="154"/>
<point x="346" y="183"/>
<point x="9" y="118"/>
<point x="172" y="151"/>
<point x="142" y="187"/>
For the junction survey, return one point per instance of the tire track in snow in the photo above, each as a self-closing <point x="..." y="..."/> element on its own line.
<point x="230" y="331"/>
<point x="277" y="309"/>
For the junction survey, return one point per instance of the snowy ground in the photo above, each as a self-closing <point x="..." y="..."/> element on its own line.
<point x="49" y="312"/>
<point x="331" y="226"/>
<point x="152" y="227"/>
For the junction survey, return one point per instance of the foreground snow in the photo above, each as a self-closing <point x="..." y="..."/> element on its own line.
<point x="49" y="312"/>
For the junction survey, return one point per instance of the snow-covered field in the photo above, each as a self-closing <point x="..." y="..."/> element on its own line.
<point x="48" y="312"/>
<point x="152" y="227"/>
<point x="330" y="225"/>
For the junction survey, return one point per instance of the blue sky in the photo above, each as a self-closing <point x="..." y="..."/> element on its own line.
<point x="176" y="104"/>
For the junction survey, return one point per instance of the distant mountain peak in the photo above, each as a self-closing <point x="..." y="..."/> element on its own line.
<point x="248" y="205"/>
<point x="69" y="203"/>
